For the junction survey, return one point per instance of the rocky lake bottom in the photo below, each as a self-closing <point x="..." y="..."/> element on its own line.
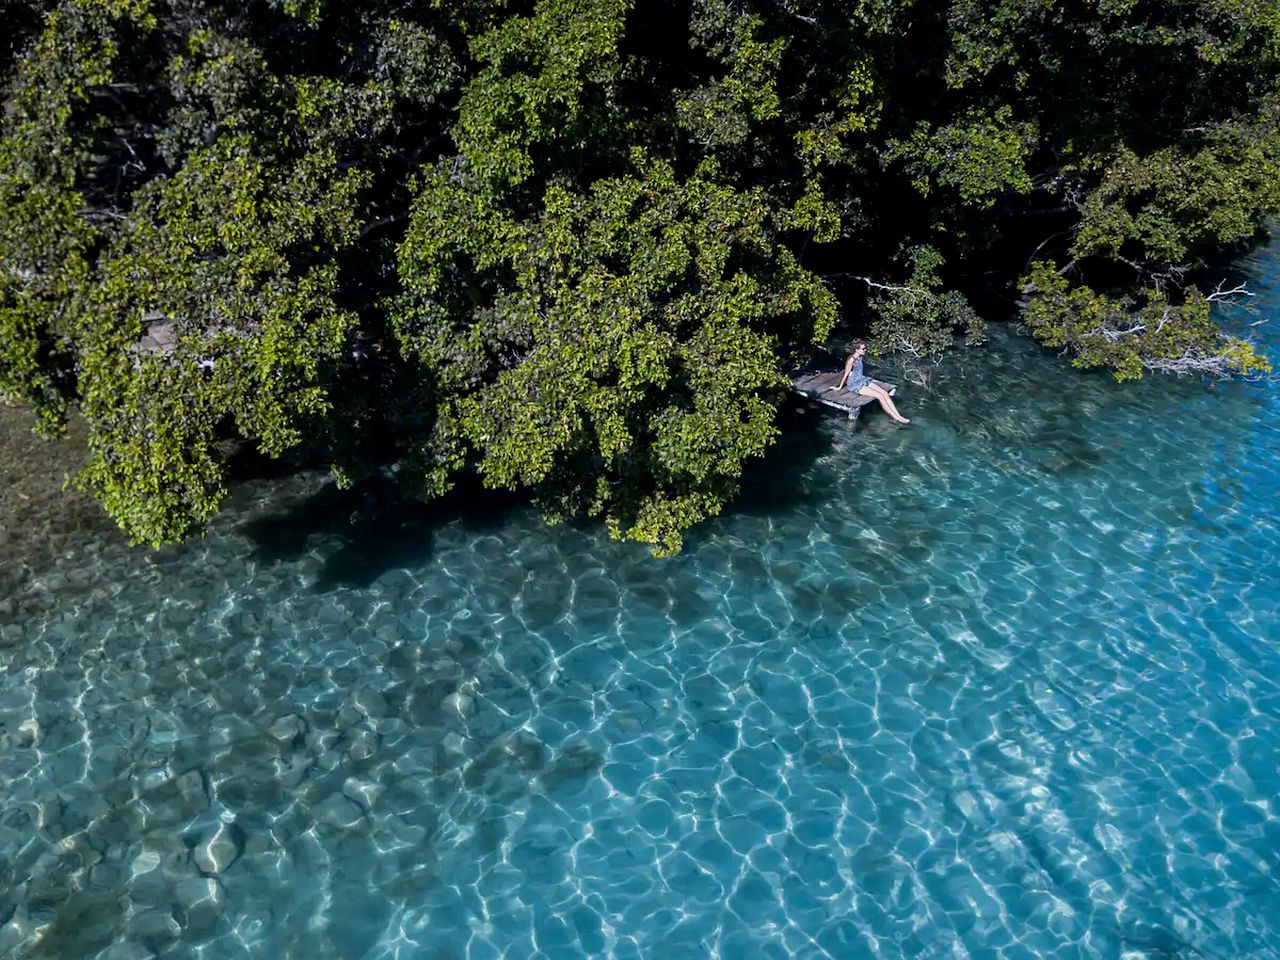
<point x="1004" y="684"/>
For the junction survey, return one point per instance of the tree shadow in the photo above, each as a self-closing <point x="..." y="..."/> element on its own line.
<point x="380" y="527"/>
<point x="783" y="478"/>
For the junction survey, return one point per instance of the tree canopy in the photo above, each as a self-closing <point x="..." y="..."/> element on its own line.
<point x="571" y="246"/>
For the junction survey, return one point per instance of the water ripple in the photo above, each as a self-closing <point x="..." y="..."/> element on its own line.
<point x="1003" y="685"/>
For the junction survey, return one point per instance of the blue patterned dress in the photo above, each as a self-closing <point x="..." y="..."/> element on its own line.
<point x="857" y="379"/>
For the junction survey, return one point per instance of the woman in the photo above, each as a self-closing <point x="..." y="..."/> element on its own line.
<point x="855" y="381"/>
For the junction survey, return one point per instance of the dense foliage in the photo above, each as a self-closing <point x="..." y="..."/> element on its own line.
<point x="572" y="245"/>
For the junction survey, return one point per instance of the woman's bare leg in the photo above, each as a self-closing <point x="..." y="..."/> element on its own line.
<point x="886" y="401"/>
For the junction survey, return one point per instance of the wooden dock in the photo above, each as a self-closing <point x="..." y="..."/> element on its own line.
<point x="816" y="385"/>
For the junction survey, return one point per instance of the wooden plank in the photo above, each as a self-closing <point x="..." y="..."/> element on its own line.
<point x="817" y="384"/>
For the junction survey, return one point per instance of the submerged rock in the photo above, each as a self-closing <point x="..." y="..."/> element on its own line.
<point x="288" y="728"/>
<point x="150" y="889"/>
<point x="363" y="745"/>
<point x="337" y="811"/>
<point x="363" y="793"/>
<point x="349" y="716"/>
<point x="219" y="849"/>
<point x="153" y="925"/>
<point x="18" y="930"/>
<point x="48" y="813"/>
<point x="28" y="733"/>
<point x="200" y="901"/>
<point x="295" y="771"/>
<point x="194" y="798"/>
<point x="145" y="862"/>
<point x="322" y="741"/>
<point x="369" y="702"/>
<point x="460" y="703"/>
<point x="107" y="876"/>
<point x="403" y="832"/>
<point x="126" y="951"/>
<point x="155" y="778"/>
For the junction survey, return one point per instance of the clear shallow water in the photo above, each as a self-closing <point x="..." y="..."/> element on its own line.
<point x="1005" y="684"/>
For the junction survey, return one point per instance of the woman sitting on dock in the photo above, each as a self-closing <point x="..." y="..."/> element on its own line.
<point x="855" y="381"/>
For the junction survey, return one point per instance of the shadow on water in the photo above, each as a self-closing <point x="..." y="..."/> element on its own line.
<point x="780" y="480"/>
<point x="1067" y="457"/>
<point x="379" y="527"/>
<point x="1156" y="940"/>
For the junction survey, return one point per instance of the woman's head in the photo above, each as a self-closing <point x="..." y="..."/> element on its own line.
<point x="857" y="346"/>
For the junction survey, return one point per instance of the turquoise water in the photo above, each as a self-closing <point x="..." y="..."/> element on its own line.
<point x="1003" y="684"/>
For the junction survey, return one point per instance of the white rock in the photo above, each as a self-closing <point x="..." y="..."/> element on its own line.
<point x="363" y="745"/>
<point x="219" y="849"/>
<point x="287" y="728"/>
<point x="363" y="793"/>
<point x="28" y="732"/>
<point x="460" y="703"/>
<point x="322" y="741"/>
<point x="145" y="862"/>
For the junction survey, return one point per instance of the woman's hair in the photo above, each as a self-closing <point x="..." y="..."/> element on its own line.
<point x="855" y="343"/>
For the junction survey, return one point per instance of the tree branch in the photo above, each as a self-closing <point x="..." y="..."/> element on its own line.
<point x="888" y="287"/>
<point x="1230" y="296"/>
<point x="377" y="224"/>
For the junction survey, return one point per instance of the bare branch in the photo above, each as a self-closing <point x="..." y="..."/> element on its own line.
<point x="1195" y="363"/>
<point x="99" y="215"/>
<point x="1044" y="243"/>
<point x="1112" y="334"/>
<point x="888" y="287"/>
<point x="1221" y="295"/>
<point x="812" y="21"/>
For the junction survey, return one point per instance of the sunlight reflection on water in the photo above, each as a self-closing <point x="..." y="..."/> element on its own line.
<point x="1003" y="684"/>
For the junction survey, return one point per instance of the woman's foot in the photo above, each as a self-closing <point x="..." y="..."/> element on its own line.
<point x="902" y="420"/>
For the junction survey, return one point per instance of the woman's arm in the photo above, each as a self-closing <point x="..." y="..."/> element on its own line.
<point x="848" y="365"/>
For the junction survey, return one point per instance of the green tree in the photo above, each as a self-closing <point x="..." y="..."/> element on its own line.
<point x="572" y="245"/>
<point x="619" y="352"/>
